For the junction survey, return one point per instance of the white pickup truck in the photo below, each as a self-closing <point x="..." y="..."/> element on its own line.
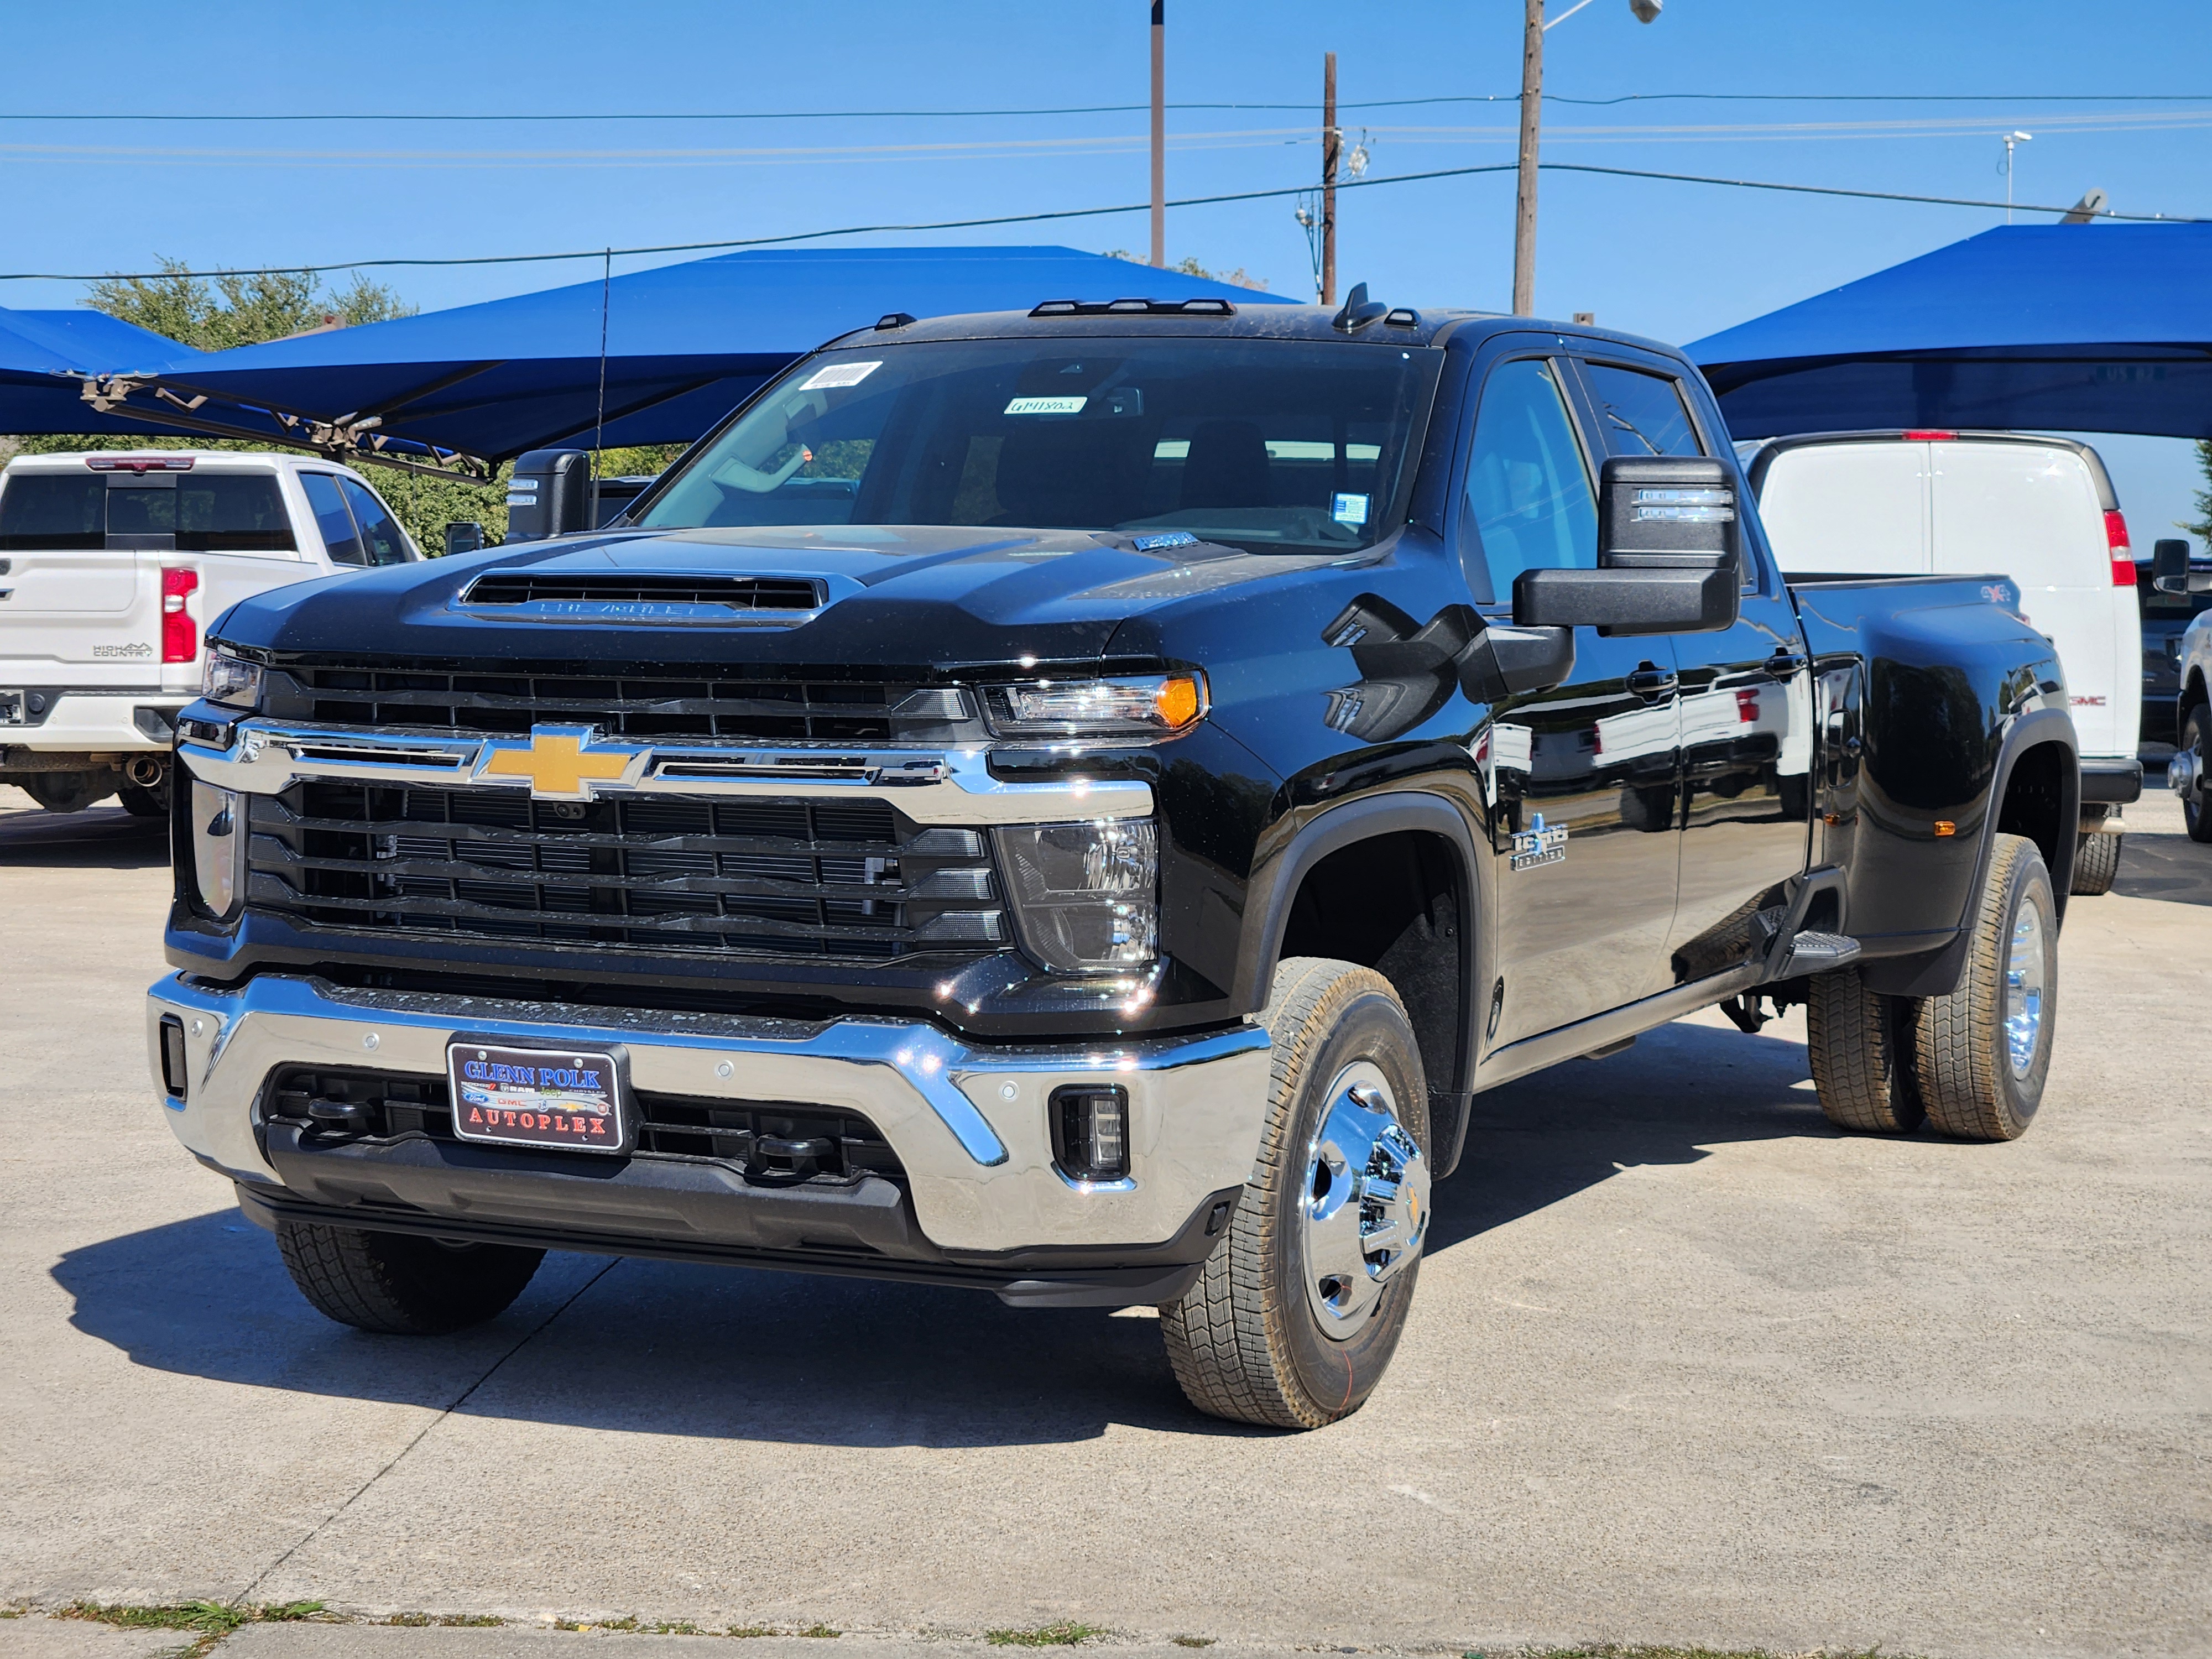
<point x="112" y="566"/>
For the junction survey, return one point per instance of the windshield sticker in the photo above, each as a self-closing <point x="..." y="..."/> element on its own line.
<point x="1047" y="405"/>
<point x="1348" y="509"/>
<point x="837" y="375"/>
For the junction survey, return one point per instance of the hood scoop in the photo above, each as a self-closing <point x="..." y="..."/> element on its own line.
<point x="670" y="599"/>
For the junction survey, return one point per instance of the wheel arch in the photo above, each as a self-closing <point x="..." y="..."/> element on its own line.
<point x="1390" y="881"/>
<point x="2035" y="791"/>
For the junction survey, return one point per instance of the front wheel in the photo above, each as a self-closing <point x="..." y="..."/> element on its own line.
<point x="399" y="1283"/>
<point x="1295" y="1317"/>
<point x="2196" y="740"/>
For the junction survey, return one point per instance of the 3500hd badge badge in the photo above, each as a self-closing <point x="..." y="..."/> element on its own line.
<point x="576" y="1099"/>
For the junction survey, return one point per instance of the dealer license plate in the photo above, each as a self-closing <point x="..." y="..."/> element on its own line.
<point x="565" y="1097"/>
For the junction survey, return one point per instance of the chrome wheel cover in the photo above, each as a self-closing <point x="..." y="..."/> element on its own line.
<point x="2025" y="981"/>
<point x="1364" y="1208"/>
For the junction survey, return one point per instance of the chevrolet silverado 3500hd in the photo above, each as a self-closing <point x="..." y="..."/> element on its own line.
<point x="1075" y="803"/>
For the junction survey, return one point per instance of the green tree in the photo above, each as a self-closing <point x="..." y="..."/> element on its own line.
<point x="1189" y="266"/>
<point x="2203" y="528"/>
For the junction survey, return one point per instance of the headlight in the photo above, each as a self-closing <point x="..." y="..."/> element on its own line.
<point x="1140" y="708"/>
<point x="1086" y="895"/>
<point x="218" y="847"/>
<point x="231" y="680"/>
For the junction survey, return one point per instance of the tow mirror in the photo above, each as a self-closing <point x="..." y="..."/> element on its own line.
<point x="550" y="493"/>
<point x="1669" y="554"/>
<point x="2170" y="572"/>
<point x="463" y="537"/>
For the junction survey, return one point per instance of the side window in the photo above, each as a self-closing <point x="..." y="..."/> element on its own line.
<point x="1528" y="500"/>
<point x="1643" y="414"/>
<point x="332" y="518"/>
<point x="380" y="531"/>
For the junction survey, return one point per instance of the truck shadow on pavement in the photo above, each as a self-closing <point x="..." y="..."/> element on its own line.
<point x="98" y="838"/>
<point x="670" y="1348"/>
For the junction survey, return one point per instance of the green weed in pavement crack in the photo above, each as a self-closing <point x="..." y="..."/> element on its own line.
<point x="1060" y="1633"/>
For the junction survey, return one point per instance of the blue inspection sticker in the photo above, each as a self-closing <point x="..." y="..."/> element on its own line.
<point x="1348" y="508"/>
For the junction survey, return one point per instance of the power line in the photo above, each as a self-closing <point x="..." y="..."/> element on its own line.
<point x="665" y="116"/>
<point x="1065" y="213"/>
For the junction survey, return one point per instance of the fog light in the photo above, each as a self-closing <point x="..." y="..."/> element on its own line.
<point x="1091" y="1131"/>
<point x="174" y="1067"/>
<point x="218" y="847"/>
<point x="1085" y="895"/>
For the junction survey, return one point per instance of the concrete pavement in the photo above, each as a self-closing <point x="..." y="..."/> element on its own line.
<point x="1684" y="1364"/>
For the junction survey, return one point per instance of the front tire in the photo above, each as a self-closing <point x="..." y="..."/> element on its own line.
<point x="398" y="1283"/>
<point x="1297" y="1314"/>
<point x="2196" y="729"/>
<point x="2096" y="863"/>
<point x="1982" y="1053"/>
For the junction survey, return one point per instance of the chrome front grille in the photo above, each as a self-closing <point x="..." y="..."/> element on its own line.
<point x="777" y="877"/>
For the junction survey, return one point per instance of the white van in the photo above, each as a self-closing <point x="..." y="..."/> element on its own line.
<point x="112" y="566"/>
<point x="2039" y="510"/>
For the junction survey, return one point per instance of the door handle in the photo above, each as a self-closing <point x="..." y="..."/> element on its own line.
<point x="1785" y="664"/>
<point x="1651" y="683"/>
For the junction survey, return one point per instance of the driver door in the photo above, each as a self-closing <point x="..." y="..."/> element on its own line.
<point x="1582" y="777"/>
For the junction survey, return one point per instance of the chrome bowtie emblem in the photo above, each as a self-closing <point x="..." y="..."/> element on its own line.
<point x="562" y="763"/>
<point x="1539" y="843"/>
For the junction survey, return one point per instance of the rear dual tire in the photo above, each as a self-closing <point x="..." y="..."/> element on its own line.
<point x="1973" y="1063"/>
<point x="2096" y="863"/>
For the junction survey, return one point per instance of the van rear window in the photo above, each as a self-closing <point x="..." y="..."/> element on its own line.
<point x="207" y="512"/>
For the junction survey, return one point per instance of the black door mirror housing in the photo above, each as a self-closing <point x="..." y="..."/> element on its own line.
<point x="462" y="536"/>
<point x="2170" y="571"/>
<point x="550" y="493"/>
<point x="1669" y="554"/>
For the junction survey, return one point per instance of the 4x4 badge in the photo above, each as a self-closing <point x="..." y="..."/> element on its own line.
<point x="1539" y="843"/>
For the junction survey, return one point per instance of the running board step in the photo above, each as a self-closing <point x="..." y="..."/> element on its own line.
<point x="1818" y="953"/>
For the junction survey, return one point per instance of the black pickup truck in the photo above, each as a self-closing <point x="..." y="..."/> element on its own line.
<point x="1076" y="804"/>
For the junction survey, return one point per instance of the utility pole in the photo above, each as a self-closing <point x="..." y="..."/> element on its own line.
<point x="1331" y="142"/>
<point x="1159" y="132"/>
<point x="1524" y="207"/>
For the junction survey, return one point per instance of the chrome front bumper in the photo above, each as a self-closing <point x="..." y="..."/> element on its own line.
<point x="968" y="1125"/>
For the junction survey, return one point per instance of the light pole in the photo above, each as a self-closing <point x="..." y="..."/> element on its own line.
<point x="1532" y="104"/>
<point x="2010" y="139"/>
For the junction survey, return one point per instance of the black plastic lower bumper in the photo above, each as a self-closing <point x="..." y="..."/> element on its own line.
<point x="2113" y="782"/>
<point x="695" y="1210"/>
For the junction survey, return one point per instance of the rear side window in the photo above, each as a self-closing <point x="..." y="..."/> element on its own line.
<point x="340" y="538"/>
<point x="59" y="510"/>
<point x="380" y="534"/>
<point x="1528" y="499"/>
<point x="1643" y="414"/>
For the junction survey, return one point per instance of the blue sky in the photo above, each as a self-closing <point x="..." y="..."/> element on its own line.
<point x="1675" y="261"/>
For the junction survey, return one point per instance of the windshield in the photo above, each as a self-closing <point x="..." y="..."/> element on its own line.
<point x="1273" y="445"/>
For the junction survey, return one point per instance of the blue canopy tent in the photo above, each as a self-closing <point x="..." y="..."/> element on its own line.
<point x="2094" y="328"/>
<point x="683" y="344"/>
<point x="46" y="355"/>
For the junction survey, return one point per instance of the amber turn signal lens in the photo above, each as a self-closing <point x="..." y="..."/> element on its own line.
<point x="1176" y="700"/>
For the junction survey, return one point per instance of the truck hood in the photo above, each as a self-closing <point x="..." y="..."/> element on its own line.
<point x="896" y="596"/>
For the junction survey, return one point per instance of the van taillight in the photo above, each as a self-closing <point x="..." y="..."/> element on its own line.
<point x="181" y="640"/>
<point x="2124" y="556"/>
<point x="1928" y="437"/>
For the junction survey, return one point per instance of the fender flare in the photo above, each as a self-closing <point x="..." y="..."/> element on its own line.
<point x="1937" y="973"/>
<point x="1275" y="883"/>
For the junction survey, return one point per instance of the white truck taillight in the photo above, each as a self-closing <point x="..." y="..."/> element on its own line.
<point x="180" y="639"/>
<point x="2124" y="556"/>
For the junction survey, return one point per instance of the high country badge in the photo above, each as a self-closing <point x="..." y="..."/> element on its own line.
<point x="1539" y="843"/>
